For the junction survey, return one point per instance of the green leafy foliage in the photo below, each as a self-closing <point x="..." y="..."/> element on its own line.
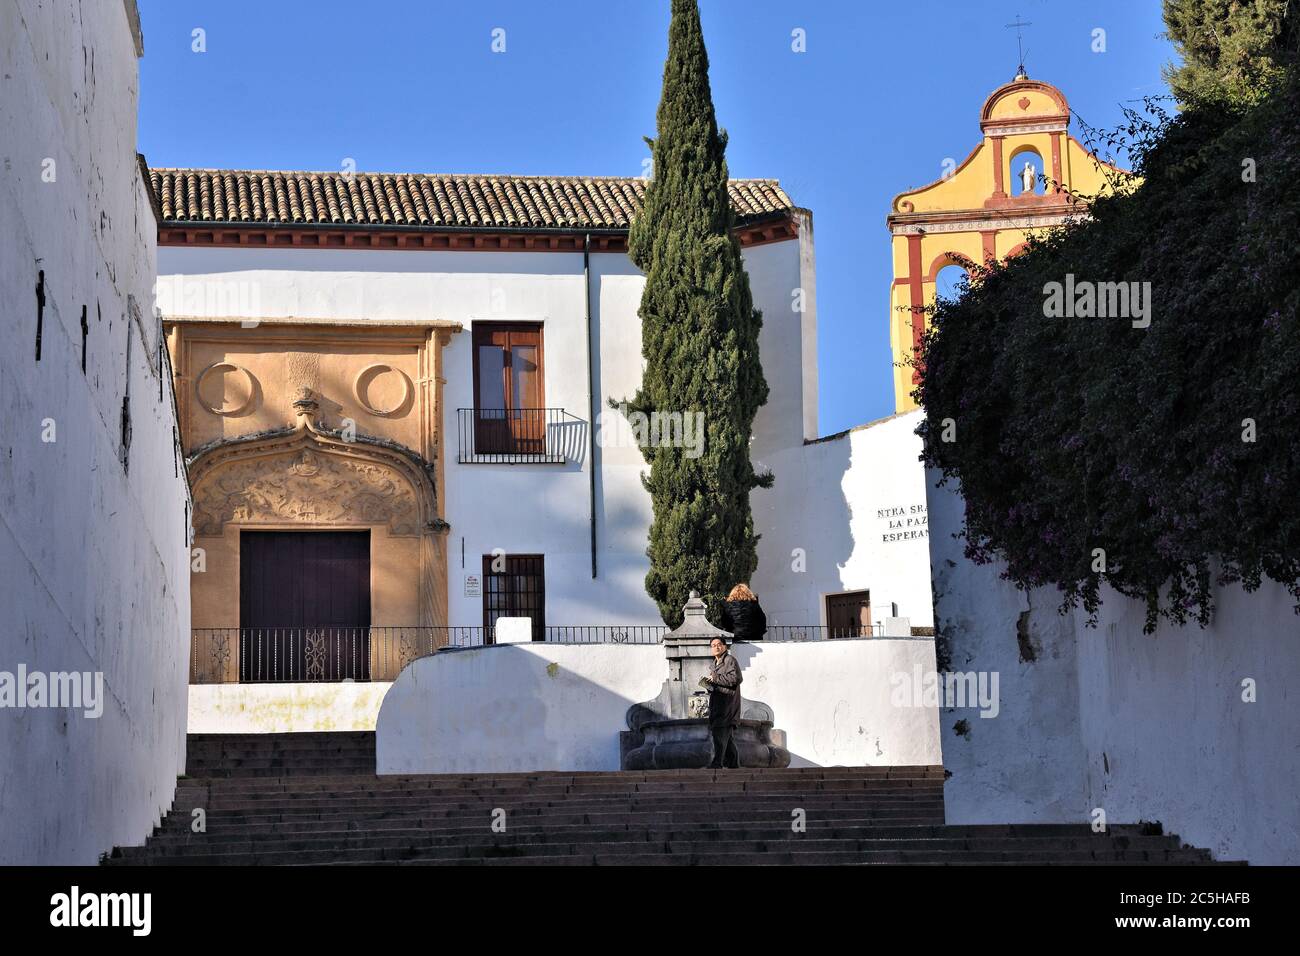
<point x="699" y="340"/>
<point x="1077" y="434"/>
<point x="1231" y="50"/>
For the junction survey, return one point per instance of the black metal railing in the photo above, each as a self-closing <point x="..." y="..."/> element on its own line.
<point x="252" y="655"/>
<point x="606" y="634"/>
<point x="518" y="436"/>
<point x="821" y="632"/>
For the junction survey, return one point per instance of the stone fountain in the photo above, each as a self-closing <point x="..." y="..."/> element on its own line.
<point x="671" y="731"/>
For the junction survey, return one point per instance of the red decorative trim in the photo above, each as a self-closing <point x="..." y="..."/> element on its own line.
<point x="905" y="205"/>
<point x="1020" y="86"/>
<point x="944" y="259"/>
<point x="989" y="239"/>
<point x="999" y="186"/>
<point x="1032" y="201"/>
<point x="1031" y="205"/>
<point x="992" y="126"/>
<point x="917" y="299"/>
<point x="1056" y="163"/>
<point x="323" y="237"/>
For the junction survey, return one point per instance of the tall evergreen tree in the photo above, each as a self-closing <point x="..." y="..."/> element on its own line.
<point x="1232" y="50"/>
<point x="699" y="338"/>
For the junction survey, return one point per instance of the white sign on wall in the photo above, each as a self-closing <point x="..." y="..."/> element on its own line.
<point x="472" y="585"/>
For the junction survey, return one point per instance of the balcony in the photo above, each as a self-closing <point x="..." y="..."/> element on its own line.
<point x="519" y="436"/>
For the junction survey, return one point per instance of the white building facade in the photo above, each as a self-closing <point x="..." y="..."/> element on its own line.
<point x="550" y="487"/>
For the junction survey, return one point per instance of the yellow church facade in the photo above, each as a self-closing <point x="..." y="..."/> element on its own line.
<point x="1026" y="175"/>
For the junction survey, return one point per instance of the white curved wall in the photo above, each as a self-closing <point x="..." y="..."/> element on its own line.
<point x="561" y="707"/>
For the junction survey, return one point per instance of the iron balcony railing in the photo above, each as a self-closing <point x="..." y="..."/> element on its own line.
<point x="821" y="632"/>
<point x="251" y="655"/>
<point x="518" y="436"/>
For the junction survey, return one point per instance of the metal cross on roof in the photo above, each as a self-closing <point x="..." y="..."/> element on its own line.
<point x="1018" y="25"/>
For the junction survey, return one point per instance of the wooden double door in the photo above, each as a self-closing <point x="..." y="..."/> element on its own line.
<point x="849" y="614"/>
<point x="304" y="605"/>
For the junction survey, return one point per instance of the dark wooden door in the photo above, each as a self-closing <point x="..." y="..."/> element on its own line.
<point x="304" y="605"/>
<point x="849" y="615"/>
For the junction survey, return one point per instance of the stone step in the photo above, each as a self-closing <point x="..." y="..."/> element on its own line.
<point x="783" y="778"/>
<point x="361" y="797"/>
<point x="705" y="829"/>
<point x="626" y="812"/>
<point x="621" y="816"/>
<point x="630" y="841"/>
<point x="476" y="826"/>
<point x="687" y="853"/>
<point x="312" y="799"/>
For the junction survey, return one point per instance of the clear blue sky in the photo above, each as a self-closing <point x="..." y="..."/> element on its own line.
<point x="885" y="92"/>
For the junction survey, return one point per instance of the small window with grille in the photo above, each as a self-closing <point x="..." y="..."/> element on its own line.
<point x="514" y="585"/>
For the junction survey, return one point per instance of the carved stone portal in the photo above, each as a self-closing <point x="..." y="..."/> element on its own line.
<point x="309" y="486"/>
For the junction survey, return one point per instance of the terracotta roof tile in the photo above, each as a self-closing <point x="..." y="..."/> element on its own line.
<point x="422" y="201"/>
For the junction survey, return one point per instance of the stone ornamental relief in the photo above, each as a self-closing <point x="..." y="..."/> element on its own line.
<point x="305" y="487"/>
<point x="226" y="389"/>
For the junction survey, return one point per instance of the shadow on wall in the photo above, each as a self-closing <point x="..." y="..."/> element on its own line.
<point x="804" y="522"/>
<point x="520" y="707"/>
<point x="542" y="706"/>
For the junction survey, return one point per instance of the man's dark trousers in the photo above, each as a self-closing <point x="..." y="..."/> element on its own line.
<point x="725" y="753"/>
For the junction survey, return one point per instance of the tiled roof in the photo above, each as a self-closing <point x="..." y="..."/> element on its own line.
<point x="421" y="201"/>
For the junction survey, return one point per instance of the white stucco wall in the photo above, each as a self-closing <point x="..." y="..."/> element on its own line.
<point x="561" y="707"/>
<point x="1150" y="727"/>
<point x="284" y="708"/>
<point x="93" y="558"/>
<point x="835" y="525"/>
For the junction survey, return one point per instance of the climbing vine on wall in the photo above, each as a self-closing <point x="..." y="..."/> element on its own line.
<point x="1159" y="458"/>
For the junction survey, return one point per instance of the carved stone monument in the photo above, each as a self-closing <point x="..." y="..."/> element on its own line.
<point x="672" y="730"/>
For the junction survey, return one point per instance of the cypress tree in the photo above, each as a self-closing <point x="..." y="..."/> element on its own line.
<point x="1232" y="51"/>
<point x="699" y="338"/>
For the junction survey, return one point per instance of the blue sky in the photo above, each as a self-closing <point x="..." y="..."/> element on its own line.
<point x="885" y="92"/>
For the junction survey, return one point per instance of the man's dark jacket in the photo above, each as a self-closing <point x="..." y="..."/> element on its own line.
<point x="724" y="691"/>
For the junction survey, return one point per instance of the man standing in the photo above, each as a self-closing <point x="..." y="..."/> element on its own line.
<point x="723" y="681"/>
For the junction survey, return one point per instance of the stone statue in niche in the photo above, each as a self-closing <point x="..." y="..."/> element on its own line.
<point x="1028" y="177"/>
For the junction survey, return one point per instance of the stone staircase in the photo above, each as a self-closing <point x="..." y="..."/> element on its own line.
<point x="314" y="799"/>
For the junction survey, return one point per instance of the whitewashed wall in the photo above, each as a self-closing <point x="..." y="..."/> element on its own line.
<point x="1150" y="727"/>
<point x="285" y="708"/>
<point x="93" y="559"/>
<point x="847" y="513"/>
<point x="561" y="707"/>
